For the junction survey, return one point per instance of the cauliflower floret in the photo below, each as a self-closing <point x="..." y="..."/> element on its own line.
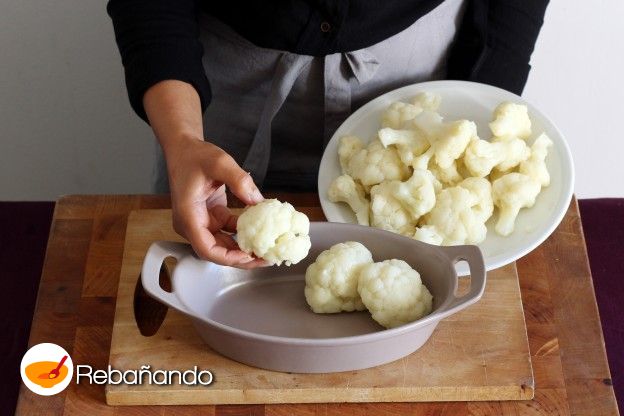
<point x="452" y="201"/>
<point x="454" y="219"/>
<point x="348" y="146"/>
<point x="422" y="162"/>
<point x="427" y="101"/>
<point x="398" y="113"/>
<point x="449" y="176"/>
<point x="452" y="141"/>
<point x="428" y="123"/>
<point x="428" y="234"/>
<point x="482" y="190"/>
<point x="409" y="143"/>
<point x="462" y="169"/>
<point x="274" y="231"/>
<point x="345" y="189"/>
<point x="332" y="280"/>
<point x="376" y="164"/>
<point x="511" y="119"/>
<point x="502" y="153"/>
<point x="496" y="174"/>
<point x="406" y="201"/>
<point x="388" y="213"/>
<point x="511" y="193"/>
<point x="394" y="293"/>
<point x="515" y="151"/>
<point x="482" y="156"/>
<point x="417" y="194"/>
<point x="448" y="140"/>
<point x="535" y="165"/>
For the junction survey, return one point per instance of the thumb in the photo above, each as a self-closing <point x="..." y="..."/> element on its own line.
<point x="237" y="180"/>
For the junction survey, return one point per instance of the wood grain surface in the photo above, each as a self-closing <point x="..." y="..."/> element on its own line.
<point x="77" y="295"/>
<point x="481" y="353"/>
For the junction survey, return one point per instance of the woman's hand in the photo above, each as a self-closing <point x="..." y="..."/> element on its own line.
<point x="198" y="173"/>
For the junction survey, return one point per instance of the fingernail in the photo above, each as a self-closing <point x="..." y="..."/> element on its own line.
<point x="255" y="196"/>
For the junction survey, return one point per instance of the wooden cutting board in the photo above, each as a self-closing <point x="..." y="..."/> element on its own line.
<point x="481" y="353"/>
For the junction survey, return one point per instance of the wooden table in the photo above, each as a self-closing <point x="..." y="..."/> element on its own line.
<point x="76" y="302"/>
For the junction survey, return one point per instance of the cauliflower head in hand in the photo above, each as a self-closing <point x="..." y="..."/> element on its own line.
<point x="275" y="232"/>
<point x="511" y="119"/>
<point x="535" y="165"/>
<point x="376" y="164"/>
<point x="345" y="189"/>
<point x="393" y="293"/>
<point x="332" y="280"/>
<point x="511" y="193"/>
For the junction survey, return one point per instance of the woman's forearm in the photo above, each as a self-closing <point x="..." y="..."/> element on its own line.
<point x="174" y="112"/>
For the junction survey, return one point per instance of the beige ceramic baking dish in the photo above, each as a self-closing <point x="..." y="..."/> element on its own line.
<point x="261" y="318"/>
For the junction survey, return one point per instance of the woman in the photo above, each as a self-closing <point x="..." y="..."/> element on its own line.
<point x="246" y="94"/>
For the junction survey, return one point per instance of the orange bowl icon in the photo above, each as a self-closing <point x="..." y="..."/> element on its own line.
<point x="42" y="373"/>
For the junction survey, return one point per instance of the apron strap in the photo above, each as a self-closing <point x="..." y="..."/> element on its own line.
<point x="361" y="65"/>
<point x="288" y="69"/>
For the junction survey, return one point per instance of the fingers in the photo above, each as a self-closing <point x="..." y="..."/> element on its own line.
<point x="216" y="252"/>
<point x="192" y="222"/>
<point x="226" y="252"/>
<point x="253" y="264"/>
<point x="199" y="202"/>
<point x="226" y="240"/>
<point x="226" y="170"/>
<point x="216" y="247"/>
<point x="218" y="197"/>
<point x="223" y="219"/>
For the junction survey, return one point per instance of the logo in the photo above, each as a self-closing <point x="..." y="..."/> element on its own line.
<point x="46" y="369"/>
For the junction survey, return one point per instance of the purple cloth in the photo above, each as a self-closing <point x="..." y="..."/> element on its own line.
<point x="24" y="228"/>
<point x="603" y="225"/>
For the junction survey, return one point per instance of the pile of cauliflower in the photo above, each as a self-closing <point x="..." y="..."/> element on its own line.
<point x="436" y="180"/>
<point x="275" y="232"/>
<point x="345" y="278"/>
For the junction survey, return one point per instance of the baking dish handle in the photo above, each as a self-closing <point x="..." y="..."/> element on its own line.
<point x="473" y="256"/>
<point x="150" y="273"/>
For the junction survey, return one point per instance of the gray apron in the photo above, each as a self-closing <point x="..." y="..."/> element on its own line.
<point x="274" y="111"/>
